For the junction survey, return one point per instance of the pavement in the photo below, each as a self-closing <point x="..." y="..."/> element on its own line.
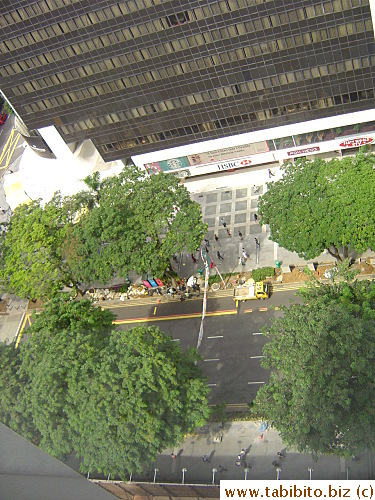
<point x="221" y="446"/>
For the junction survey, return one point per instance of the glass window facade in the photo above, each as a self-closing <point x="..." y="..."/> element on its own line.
<point x="142" y="75"/>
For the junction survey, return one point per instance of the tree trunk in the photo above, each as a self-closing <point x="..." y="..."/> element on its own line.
<point x="335" y="254"/>
<point x="346" y="252"/>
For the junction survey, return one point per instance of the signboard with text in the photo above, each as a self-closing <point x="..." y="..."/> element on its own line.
<point x="356" y="142"/>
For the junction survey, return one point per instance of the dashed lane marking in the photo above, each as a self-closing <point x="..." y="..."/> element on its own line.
<point x="254" y="383"/>
<point x="248" y="311"/>
<point x="211" y="385"/>
<point x="216" y="337"/>
<point x="263" y="309"/>
<point x="257" y="333"/>
<point x="213" y="359"/>
<point x="256" y="357"/>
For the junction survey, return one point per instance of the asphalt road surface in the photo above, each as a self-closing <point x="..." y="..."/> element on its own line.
<point x="232" y="343"/>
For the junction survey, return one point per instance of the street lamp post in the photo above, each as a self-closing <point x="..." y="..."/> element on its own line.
<point x="155" y="471"/>
<point x="347" y="473"/>
<point x="246" y="470"/>
<point x="213" y="475"/>
<point x="310" y="472"/>
<point x="183" y="475"/>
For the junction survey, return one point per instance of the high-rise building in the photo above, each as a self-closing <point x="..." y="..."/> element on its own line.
<point x="136" y="76"/>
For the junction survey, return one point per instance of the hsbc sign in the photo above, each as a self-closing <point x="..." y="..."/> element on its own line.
<point x="227" y="165"/>
<point x="355" y="143"/>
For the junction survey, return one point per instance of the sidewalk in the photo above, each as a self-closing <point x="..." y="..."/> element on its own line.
<point x="234" y="198"/>
<point x="259" y="457"/>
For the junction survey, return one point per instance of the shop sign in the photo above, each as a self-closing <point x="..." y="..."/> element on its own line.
<point x="233" y="164"/>
<point x="304" y="151"/>
<point x="355" y="143"/>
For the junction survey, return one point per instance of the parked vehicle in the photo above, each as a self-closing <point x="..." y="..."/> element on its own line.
<point x="251" y="290"/>
<point x="3" y="118"/>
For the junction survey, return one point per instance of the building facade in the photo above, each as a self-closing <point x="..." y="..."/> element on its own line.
<point x="140" y="76"/>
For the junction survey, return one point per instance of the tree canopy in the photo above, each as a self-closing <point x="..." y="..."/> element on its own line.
<point x="137" y="223"/>
<point x="131" y="222"/>
<point x="320" y="205"/>
<point x="320" y="395"/>
<point x="31" y="263"/>
<point x="115" y="398"/>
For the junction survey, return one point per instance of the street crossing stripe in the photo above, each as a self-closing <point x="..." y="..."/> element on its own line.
<point x="262" y="309"/>
<point x="248" y="311"/>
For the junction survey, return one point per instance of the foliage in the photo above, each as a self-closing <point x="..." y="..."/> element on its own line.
<point x="31" y="264"/>
<point x="218" y="414"/>
<point x="320" y="205"/>
<point x="262" y="273"/>
<point x="215" y="278"/>
<point x="322" y="353"/>
<point x="136" y="223"/>
<point x="115" y="398"/>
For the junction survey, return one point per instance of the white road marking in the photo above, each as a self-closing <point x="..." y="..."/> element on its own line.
<point x="211" y="385"/>
<point x="176" y="340"/>
<point x="215" y="359"/>
<point x="257" y="333"/>
<point x="252" y="383"/>
<point x="256" y="357"/>
<point x="216" y="337"/>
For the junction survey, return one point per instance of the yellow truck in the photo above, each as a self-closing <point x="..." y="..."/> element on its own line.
<point x="251" y="290"/>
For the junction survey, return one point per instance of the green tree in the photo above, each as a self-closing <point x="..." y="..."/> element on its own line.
<point x="322" y="353"/>
<point x="13" y="409"/>
<point x="31" y="264"/>
<point x="115" y="398"/>
<point x="320" y="205"/>
<point x="145" y="397"/>
<point x="64" y="342"/>
<point x="136" y="223"/>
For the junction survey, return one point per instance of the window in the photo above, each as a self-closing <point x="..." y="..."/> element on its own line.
<point x="177" y="19"/>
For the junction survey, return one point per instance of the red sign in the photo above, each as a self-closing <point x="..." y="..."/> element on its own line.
<point x="355" y="143"/>
<point x="304" y="151"/>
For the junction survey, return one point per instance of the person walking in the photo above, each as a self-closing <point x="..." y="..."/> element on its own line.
<point x="270" y="173"/>
<point x="219" y="256"/>
<point x="240" y="235"/>
<point x="242" y="261"/>
<point x="256" y="189"/>
<point x="256" y="217"/>
<point x="216" y="237"/>
<point x="207" y="242"/>
<point x="257" y="242"/>
<point x="244" y="254"/>
<point x="228" y="233"/>
<point x="222" y="221"/>
<point x="193" y="259"/>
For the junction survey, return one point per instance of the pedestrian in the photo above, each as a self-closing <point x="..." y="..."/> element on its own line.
<point x="219" y="256"/>
<point x="244" y="254"/>
<point x="256" y="189"/>
<point x="270" y="173"/>
<point x="222" y="469"/>
<point x="228" y="233"/>
<point x="256" y="217"/>
<point x="238" y="463"/>
<point x="242" y="261"/>
<point x="222" y="221"/>
<point x="240" y="234"/>
<point x="242" y="453"/>
<point x="207" y="242"/>
<point x="205" y="458"/>
<point x="206" y="249"/>
<point x="257" y="242"/>
<point x="275" y="463"/>
<point x="216" y="237"/>
<point x="193" y="259"/>
<point x="173" y="455"/>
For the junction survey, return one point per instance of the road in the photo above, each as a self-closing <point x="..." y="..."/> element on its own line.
<point x="232" y="343"/>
